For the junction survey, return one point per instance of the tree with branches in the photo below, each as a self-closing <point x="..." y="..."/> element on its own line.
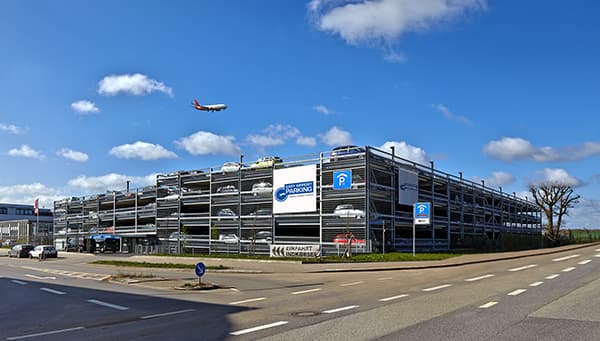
<point x="554" y="199"/>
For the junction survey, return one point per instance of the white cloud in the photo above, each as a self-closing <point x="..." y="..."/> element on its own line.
<point x="85" y="107"/>
<point x="585" y="214"/>
<point x="394" y="57"/>
<point x="306" y="141"/>
<point x="557" y="175"/>
<point x="324" y="110"/>
<point x="26" y="151"/>
<point x="110" y="182"/>
<point x="72" y="155"/>
<point x="26" y="194"/>
<point x="384" y="22"/>
<point x="336" y="137"/>
<point x="406" y="151"/>
<point x="135" y="84"/>
<point x="451" y="116"/>
<point x="515" y="148"/>
<point x="204" y="142"/>
<point x="11" y="128"/>
<point x="264" y="141"/>
<point x="497" y="179"/>
<point x="142" y="150"/>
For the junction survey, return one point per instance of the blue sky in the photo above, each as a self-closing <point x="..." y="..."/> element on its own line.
<point x="94" y="93"/>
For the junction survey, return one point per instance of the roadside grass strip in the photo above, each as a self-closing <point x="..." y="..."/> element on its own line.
<point x="254" y="329"/>
<point x="517" y="292"/>
<point x="438" y="287"/>
<point x="392" y="298"/>
<point x="564" y="258"/>
<point x="535" y="284"/>
<point x="584" y="262"/>
<point x="52" y="291"/>
<point x="571" y="268"/>
<point x="249" y="300"/>
<point x="337" y="310"/>
<point x="44" y="333"/>
<point x="478" y="278"/>
<point x="488" y="305"/>
<point x="523" y="267"/>
<point x="108" y="305"/>
<point x="305" y="291"/>
<point x="552" y="276"/>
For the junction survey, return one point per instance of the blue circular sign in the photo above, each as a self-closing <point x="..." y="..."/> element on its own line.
<point x="200" y="269"/>
<point x="281" y="194"/>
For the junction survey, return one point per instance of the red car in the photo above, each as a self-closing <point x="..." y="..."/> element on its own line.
<point x="342" y="238"/>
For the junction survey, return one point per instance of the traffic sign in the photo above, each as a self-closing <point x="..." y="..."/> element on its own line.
<point x="200" y="269"/>
<point x="422" y="213"/>
<point x="342" y="179"/>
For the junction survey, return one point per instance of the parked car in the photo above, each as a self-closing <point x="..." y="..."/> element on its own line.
<point x="262" y="212"/>
<point x="262" y="237"/>
<point x="230" y="167"/>
<point x="20" y="250"/>
<point x="348" y="211"/>
<point x="175" y="236"/>
<point x="343" y="238"/>
<point x="6" y="242"/>
<point x="344" y="152"/>
<point x="43" y="251"/>
<point x="227" y="189"/>
<point x="262" y="187"/>
<point x="267" y="161"/>
<point x="226" y="212"/>
<point x="229" y="238"/>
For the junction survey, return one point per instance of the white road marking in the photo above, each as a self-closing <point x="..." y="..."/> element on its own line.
<point x="564" y="258"/>
<point x="523" y="267"/>
<point x="517" y="292"/>
<point x="250" y="300"/>
<point x="340" y="309"/>
<point x="392" y="298"/>
<point x="571" y="268"/>
<point x="552" y="276"/>
<point x="349" y="284"/>
<point x="38" y="277"/>
<point x="108" y="305"/>
<point x="384" y="278"/>
<point x="584" y="262"/>
<point x="44" y="333"/>
<point x="167" y="314"/>
<point x="19" y="282"/>
<point x="488" y="305"/>
<point x="250" y="330"/>
<point x="598" y="255"/>
<point x="597" y="250"/>
<point x="52" y="291"/>
<point x="438" y="287"/>
<point x="478" y="278"/>
<point x="535" y="284"/>
<point x="234" y="289"/>
<point x="305" y="291"/>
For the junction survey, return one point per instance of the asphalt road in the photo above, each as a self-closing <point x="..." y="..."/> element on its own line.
<point x="551" y="296"/>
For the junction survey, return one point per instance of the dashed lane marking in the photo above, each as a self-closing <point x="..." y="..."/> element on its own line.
<point x="349" y="284"/>
<point x="254" y="329"/>
<point x="392" y="298"/>
<point x="84" y="275"/>
<point x="478" y="278"/>
<point x="535" y="284"/>
<point x="488" y="305"/>
<point x="249" y="300"/>
<point x="384" y="278"/>
<point x="552" y="276"/>
<point x="571" y="268"/>
<point x="108" y="305"/>
<point x="39" y="277"/>
<point x="305" y="291"/>
<point x="19" y="282"/>
<point x="523" y="267"/>
<point x="584" y="262"/>
<point x="337" y="310"/>
<point x="167" y="314"/>
<point x="52" y="291"/>
<point x="44" y="333"/>
<point x="517" y="292"/>
<point x="438" y="287"/>
<point x="564" y="258"/>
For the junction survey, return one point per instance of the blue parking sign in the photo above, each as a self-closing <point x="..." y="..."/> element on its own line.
<point x="342" y="179"/>
<point x="422" y="213"/>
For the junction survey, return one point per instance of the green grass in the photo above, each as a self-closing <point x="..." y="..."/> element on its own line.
<point x="155" y="265"/>
<point x="388" y="257"/>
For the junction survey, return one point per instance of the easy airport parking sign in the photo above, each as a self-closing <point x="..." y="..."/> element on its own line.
<point x="422" y="213"/>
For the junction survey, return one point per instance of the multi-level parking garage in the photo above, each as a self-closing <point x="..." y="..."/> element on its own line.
<point x="297" y="201"/>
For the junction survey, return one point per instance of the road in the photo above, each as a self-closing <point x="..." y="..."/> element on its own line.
<point x="552" y="296"/>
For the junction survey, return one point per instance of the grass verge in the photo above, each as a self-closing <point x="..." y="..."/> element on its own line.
<point x="155" y="265"/>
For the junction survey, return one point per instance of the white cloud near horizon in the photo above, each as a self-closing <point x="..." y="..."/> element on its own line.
<point x="496" y="179"/>
<point x="26" y="151"/>
<point x="204" y="143"/>
<point x="73" y="155"/>
<point x="557" y="175"/>
<point x="336" y="137"/>
<point x="143" y="151"/>
<point x="11" y="128"/>
<point x="85" y="107"/>
<point x="407" y="151"/>
<point x="26" y="194"/>
<point x="450" y="115"/>
<point x="306" y="141"/>
<point x="515" y="148"/>
<point x="133" y="84"/>
<point x="110" y="182"/>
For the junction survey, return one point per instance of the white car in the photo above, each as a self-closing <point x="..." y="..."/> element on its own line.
<point x="229" y="238"/>
<point x="348" y="211"/>
<point x="43" y="251"/>
<point x="230" y="167"/>
<point x="262" y="187"/>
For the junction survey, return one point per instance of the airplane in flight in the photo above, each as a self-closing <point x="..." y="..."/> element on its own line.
<point x="209" y="107"/>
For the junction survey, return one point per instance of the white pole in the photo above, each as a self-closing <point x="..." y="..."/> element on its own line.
<point x="413" y="237"/>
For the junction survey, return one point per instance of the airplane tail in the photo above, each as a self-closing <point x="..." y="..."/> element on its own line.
<point x="196" y="103"/>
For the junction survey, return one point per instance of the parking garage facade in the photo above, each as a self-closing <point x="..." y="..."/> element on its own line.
<point x="365" y="195"/>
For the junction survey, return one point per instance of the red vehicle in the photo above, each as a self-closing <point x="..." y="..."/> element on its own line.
<point x="342" y="238"/>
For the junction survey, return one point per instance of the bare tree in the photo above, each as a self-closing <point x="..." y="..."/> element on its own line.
<point x="554" y="199"/>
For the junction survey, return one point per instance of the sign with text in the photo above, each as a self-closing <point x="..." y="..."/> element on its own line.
<point x="422" y="213"/>
<point x="295" y="189"/>
<point x="299" y="251"/>
<point x="408" y="187"/>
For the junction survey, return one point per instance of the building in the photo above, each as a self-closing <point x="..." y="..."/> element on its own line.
<point x="319" y="199"/>
<point x="18" y="224"/>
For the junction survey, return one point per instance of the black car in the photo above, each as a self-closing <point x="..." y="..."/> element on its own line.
<point x="20" y="250"/>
